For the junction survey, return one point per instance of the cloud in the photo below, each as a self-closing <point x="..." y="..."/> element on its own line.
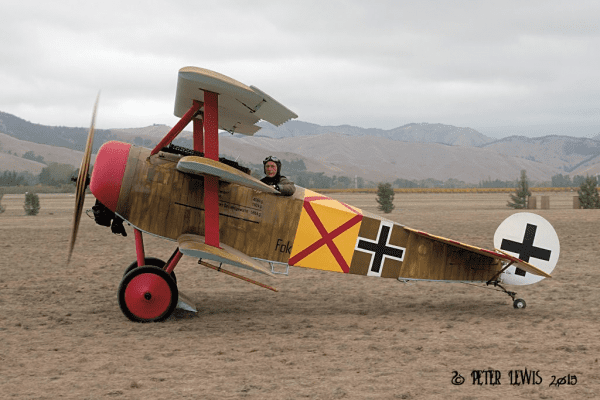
<point x="373" y="64"/>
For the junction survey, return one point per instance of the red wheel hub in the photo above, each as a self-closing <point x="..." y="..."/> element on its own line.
<point x="148" y="296"/>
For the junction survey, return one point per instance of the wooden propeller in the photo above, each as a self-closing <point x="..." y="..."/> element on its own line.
<point x="81" y="181"/>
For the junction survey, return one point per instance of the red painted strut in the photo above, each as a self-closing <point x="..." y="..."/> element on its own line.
<point x="211" y="183"/>
<point x="139" y="248"/>
<point x="176" y="130"/>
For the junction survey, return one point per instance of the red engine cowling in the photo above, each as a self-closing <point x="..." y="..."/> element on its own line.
<point x="109" y="169"/>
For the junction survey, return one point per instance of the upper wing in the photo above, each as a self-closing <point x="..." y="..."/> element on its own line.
<point x="240" y="106"/>
<point x="499" y="254"/>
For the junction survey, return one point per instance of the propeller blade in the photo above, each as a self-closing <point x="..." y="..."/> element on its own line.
<point x="81" y="181"/>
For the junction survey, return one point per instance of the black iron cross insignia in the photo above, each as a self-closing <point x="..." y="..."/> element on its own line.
<point x="380" y="249"/>
<point x="526" y="250"/>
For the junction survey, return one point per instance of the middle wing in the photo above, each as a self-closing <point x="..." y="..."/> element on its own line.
<point x="200" y="166"/>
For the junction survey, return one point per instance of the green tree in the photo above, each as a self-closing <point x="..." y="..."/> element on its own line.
<point x="520" y="198"/>
<point x="588" y="193"/>
<point x="344" y="182"/>
<point x="578" y="180"/>
<point x="560" y="180"/>
<point x="385" y="197"/>
<point x="405" y="183"/>
<point x="11" y="178"/>
<point x="56" y="174"/>
<point x="292" y="166"/>
<point x="32" y="204"/>
<point x="360" y="182"/>
<point x="30" y="155"/>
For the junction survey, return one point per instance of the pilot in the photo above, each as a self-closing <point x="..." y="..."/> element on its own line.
<point x="272" y="167"/>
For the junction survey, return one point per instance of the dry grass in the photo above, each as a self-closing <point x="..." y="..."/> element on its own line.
<point x="323" y="336"/>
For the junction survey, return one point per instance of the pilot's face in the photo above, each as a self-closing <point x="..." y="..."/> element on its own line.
<point x="270" y="169"/>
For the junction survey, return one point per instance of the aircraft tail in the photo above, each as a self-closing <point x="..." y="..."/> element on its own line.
<point x="530" y="238"/>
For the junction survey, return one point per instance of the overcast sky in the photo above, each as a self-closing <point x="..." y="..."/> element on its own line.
<point x="503" y="67"/>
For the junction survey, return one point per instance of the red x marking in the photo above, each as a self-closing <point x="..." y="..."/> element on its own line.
<point x="326" y="237"/>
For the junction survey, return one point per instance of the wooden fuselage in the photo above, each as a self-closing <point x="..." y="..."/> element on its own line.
<point x="157" y="198"/>
<point x="306" y="229"/>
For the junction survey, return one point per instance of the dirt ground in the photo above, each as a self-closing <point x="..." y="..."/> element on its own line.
<point x="323" y="336"/>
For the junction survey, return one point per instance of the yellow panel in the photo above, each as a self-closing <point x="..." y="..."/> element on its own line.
<point x="320" y="259"/>
<point x="346" y="242"/>
<point x="331" y="217"/>
<point x="331" y="203"/>
<point x="332" y="249"/>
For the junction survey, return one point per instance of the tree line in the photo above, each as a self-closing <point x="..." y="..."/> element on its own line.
<point x="588" y="191"/>
<point x="57" y="174"/>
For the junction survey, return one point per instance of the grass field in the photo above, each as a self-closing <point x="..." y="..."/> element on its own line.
<point x="323" y="336"/>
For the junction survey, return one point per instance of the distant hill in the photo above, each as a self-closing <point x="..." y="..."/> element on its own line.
<point x="61" y="136"/>
<point x="12" y="150"/>
<point x="564" y="152"/>
<point x="9" y="162"/>
<point x="378" y="158"/>
<point x="416" y="133"/>
<point x="414" y="151"/>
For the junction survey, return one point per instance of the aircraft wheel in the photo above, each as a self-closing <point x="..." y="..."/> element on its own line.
<point x="157" y="262"/>
<point x="519" y="303"/>
<point x="147" y="294"/>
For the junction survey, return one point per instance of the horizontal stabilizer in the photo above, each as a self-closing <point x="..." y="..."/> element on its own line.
<point x="195" y="246"/>
<point x="525" y="266"/>
<point x="206" y="166"/>
<point x="498" y="254"/>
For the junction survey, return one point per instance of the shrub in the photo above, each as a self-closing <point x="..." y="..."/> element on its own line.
<point x="522" y="193"/>
<point x="385" y="197"/>
<point x="32" y="204"/>
<point x="588" y="193"/>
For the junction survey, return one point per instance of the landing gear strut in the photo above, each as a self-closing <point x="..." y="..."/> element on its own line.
<point x="517" y="303"/>
<point x="149" y="293"/>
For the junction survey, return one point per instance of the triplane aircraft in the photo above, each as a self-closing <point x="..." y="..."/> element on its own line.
<point x="214" y="210"/>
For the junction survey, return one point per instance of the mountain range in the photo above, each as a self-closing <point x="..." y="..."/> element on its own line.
<point x="413" y="151"/>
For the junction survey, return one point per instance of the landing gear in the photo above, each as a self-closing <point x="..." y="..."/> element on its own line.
<point x="157" y="262"/>
<point x="519" y="303"/>
<point x="147" y="294"/>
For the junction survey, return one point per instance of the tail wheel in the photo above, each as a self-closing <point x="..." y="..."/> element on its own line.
<point x="519" y="303"/>
<point x="147" y="294"/>
<point x="157" y="262"/>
